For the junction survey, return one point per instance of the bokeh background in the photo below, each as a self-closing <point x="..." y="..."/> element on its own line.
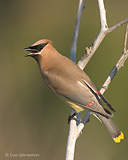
<point x="33" y="120"/>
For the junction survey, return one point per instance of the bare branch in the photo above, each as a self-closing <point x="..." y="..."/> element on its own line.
<point x="103" y="20"/>
<point x="103" y="32"/>
<point x="117" y="25"/>
<point x="70" y="149"/>
<point x="91" y="50"/>
<point x="119" y="64"/>
<point x="83" y="122"/>
<point x="76" y="31"/>
<point x="125" y="39"/>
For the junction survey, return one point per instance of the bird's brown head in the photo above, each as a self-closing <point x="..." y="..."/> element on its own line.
<point x="36" y="48"/>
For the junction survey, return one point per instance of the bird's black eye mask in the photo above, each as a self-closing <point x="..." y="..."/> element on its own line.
<point x="36" y="48"/>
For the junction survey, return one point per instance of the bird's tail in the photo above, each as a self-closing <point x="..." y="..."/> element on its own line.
<point x="116" y="134"/>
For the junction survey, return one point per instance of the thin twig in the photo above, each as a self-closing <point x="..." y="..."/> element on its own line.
<point x="117" y="25"/>
<point x="125" y="39"/>
<point x="76" y="31"/>
<point x="83" y="122"/>
<point x="102" y="11"/>
<point x="119" y="64"/>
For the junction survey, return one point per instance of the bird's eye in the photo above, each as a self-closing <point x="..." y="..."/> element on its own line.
<point x="41" y="46"/>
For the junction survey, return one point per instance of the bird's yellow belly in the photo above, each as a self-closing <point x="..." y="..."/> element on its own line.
<point x="75" y="106"/>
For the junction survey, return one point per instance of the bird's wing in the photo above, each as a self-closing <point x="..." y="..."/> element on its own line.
<point x="84" y="98"/>
<point x="90" y="84"/>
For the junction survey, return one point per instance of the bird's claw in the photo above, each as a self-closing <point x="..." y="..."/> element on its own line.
<point x="72" y="117"/>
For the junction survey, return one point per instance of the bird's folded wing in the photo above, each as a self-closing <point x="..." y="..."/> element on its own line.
<point x="95" y="90"/>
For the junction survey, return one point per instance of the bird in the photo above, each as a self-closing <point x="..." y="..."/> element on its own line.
<point x="72" y="84"/>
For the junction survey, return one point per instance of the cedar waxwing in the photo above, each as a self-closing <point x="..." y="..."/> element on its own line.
<point x="71" y="84"/>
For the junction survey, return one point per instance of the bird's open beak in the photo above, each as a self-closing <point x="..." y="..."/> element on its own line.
<point x="33" y="52"/>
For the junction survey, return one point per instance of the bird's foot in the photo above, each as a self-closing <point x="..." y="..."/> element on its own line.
<point x="72" y="117"/>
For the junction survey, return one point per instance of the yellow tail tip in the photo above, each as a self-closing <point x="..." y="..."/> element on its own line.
<point x="118" y="139"/>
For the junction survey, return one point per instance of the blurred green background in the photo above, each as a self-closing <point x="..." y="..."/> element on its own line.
<point x="32" y="118"/>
